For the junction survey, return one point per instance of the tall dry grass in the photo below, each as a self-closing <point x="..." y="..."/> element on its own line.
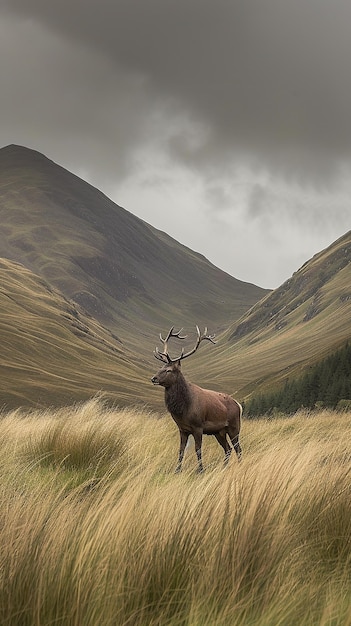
<point x="96" y="530"/>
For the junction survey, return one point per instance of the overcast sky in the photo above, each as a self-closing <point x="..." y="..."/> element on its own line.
<point x="226" y="123"/>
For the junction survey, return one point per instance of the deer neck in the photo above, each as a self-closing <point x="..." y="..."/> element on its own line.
<point x="177" y="396"/>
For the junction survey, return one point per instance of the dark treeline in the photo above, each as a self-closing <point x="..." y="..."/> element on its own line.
<point x="326" y="384"/>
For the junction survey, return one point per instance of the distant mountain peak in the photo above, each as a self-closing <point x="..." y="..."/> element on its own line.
<point x="17" y="150"/>
<point x="14" y="155"/>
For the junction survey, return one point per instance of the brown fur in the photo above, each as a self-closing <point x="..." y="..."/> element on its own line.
<point x="199" y="412"/>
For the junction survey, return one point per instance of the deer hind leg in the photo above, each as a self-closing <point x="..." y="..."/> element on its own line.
<point x="236" y="446"/>
<point x="183" y="441"/>
<point x="198" y="444"/>
<point x="222" y="440"/>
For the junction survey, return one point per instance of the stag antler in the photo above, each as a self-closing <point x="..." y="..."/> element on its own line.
<point x="164" y="356"/>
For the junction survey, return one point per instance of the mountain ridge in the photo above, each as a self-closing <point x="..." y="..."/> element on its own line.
<point x="305" y="284"/>
<point x="109" y="261"/>
<point x="106" y="283"/>
<point x="290" y="329"/>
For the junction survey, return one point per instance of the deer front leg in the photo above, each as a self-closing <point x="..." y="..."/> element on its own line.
<point x="183" y="441"/>
<point x="198" y="444"/>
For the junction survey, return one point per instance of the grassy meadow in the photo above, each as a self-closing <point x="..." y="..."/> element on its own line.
<point x="97" y="530"/>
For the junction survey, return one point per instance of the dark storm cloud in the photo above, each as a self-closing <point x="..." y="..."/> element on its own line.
<point x="267" y="80"/>
<point x="232" y="115"/>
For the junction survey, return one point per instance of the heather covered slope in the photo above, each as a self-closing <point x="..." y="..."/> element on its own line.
<point x="291" y="328"/>
<point x="121" y="270"/>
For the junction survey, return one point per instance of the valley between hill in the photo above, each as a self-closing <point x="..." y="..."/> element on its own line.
<point x="86" y="288"/>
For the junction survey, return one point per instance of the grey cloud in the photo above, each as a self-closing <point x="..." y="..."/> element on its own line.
<point x="231" y="114"/>
<point x="69" y="101"/>
<point x="268" y="80"/>
<point x="256" y="204"/>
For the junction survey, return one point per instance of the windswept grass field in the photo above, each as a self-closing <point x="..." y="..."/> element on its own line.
<point x="96" y="530"/>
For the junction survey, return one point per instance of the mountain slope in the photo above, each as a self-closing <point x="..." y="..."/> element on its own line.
<point x="53" y="354"/>
<point x="291" y="328"/>
<point x="137" y="281"/>
<point x="125" y="273"/>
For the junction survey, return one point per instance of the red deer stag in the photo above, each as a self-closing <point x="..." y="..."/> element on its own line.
<point x="197" y="411"/>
